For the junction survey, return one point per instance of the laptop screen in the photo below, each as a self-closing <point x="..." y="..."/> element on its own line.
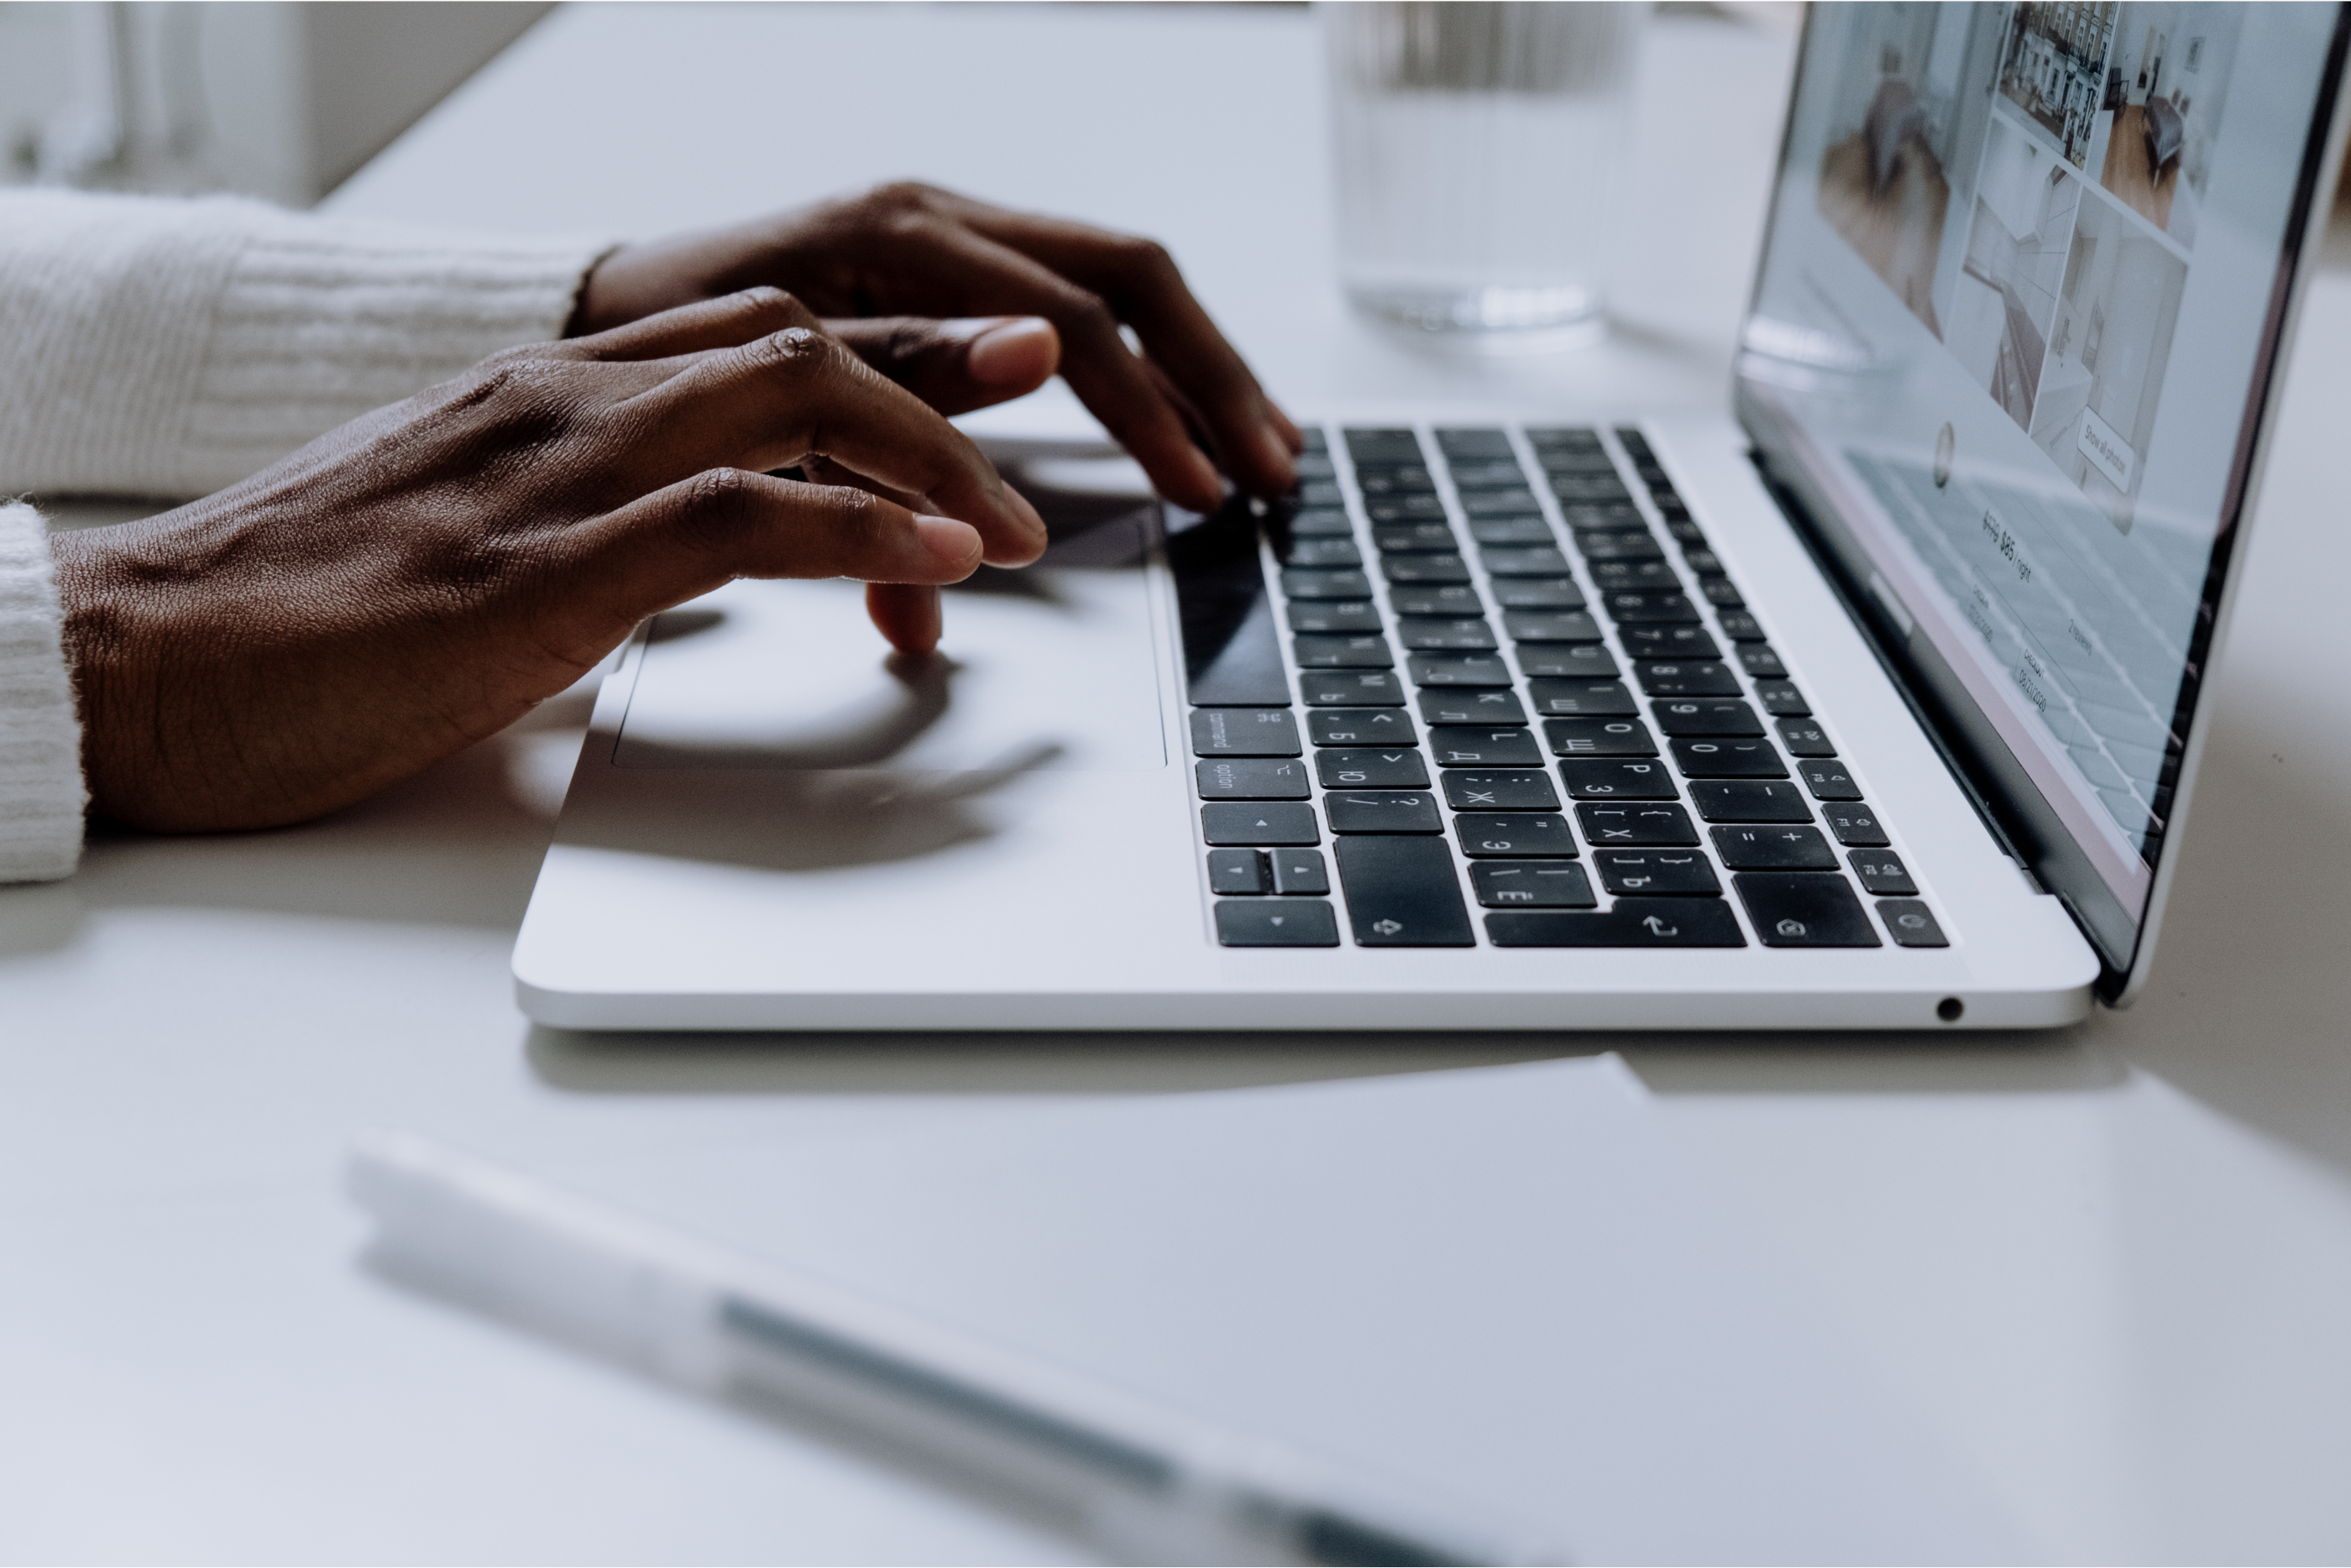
<point x="2012" y="340"/>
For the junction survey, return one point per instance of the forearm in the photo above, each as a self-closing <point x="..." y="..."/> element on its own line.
<point x="171" y="348"/>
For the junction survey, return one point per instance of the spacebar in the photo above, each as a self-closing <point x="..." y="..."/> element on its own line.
<point x="1402" y="892"/>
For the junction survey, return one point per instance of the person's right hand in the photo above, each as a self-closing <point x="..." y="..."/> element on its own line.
<point x="418" y="579"/>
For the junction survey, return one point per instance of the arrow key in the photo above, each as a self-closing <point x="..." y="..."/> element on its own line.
<point x="1276" y="923"/>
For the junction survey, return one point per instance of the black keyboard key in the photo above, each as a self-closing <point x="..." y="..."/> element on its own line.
<point x="1472" y="745"/>
<point x="1603" y="517"/>
<point x="1656" y="873"/>
<point x="1441" y="706"/>
<point x="1322" y="491"/>
<point x="1589" y="487"/>
<point x="1669" y="642"/>
<point x="1352" y="689"/>
<point x="1757" y="659"/>
<point x="1428" y="633"/>
<point x="1564" y="438"/>
<point x="1313" y="552"/>
<point x="1298" y="872"/>
<point x="1803" y="737"/>
<point x="1515" y="790"/>
<point x="1486" y="836"/>
<point x="1237" y="871"/>
<point x="1483" y="671"/>
<point x="1706" y="719"/>
<point x="1531" y="561"/>
<point x="1396" y="479"/>
<point x="1727" y="757"/>
<point x="1748" y="799"/>
<point x="1369" y="767"/>
<point x="1316" y="441"/>
<point x="1636" y="445"/>
<point x="1804" y="909"/>
<point x="1911" y="923"/>
<point x="1638" y="576"/>
<point x="1685" y="678"/>
<point x="1532" y="885"/>
<point x="1300" y="584"/>
<point x="1620" y="545"/>
<point x="1555" y="626"/>
<point x="1338" y="618"/>
<point x="1436" y="598"/>
<point x="1828" y="780"/>
<point x="1383" y="811"/>
<point x="1443" y="568"/>
<point x="1854" y="824"/>
<point x="1321" y="523"/>
<point x="1234" y="822"/>
<point x="1277" y="923"/>
<point x="1774" y="849"/>
<point x="1244" y="732"/>
<point x="1615" y="778"/>
<point x="1588" y="699"/>
<point x="1509" y="531"/>
<point x="1740" y="627"/>
<point x="1402" y="893"/>
<point x="1599" y="738"/>
<point x="1686" y="533"/>
<point x="1567" y="660"/>
<point x="1500" y="472"/>
<point x="1314" y="463"/>
<point x="1360" y="727"/>
<point x="1538" y="594"/>
<point x="1636" y="608"/>
<point x="1383" y="509"/>
<point x="1720" y="593"/>
<point x="1633" y="924"/>
<point x="1414" y="538"/>
<point x="1882" y="871"/>
<point x="1705" y="563"/>
<point x="1251" y="778"/>
<point x="1232" y="655"/>
<point x="1473" y="442"/>
<point x="1382" y="445"/>
<point x="1366" y="651"/>
<point x="1634" y="827"/>
<point x="1500" y="503"/>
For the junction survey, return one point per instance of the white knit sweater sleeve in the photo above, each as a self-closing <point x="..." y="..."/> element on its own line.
<point x="168" y="347"/>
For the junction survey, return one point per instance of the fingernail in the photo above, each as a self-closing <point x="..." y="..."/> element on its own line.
<point x="1024" y="348"/>
<point x="1275" y="455"/>
<point x="955" y="546"/>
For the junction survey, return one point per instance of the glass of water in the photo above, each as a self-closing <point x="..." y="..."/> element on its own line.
<point x="1478" y="150"/>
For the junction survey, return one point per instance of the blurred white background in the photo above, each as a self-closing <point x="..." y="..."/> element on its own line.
<point x="267" y="97"/>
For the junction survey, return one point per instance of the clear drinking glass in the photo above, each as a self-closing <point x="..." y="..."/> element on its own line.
<point x="1479" y="151"/>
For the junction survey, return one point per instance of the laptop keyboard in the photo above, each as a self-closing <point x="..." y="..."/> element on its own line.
<point x="1518" y="708"/>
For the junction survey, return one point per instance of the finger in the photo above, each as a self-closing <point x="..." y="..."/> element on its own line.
<point x="799" y="394"/>
<point x="959" y="364"/>
<point x="723" y="323"/>
<point x="1141" y="286"/>
<point x="703" y="531"/>
<point x="953" y="262"/>
<point x="908" y="614"/>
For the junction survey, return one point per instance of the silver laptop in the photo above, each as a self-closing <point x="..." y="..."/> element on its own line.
<point x="1875" y="706"/>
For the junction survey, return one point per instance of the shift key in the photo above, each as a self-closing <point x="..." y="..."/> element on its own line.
<point x="1402" y="893"/>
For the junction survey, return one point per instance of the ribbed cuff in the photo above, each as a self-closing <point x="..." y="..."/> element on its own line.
<point x="41" y="794"/>
<point x="322" y="319"/>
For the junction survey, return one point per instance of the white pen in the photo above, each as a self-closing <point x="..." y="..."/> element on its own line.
<point x="1147" y="1483"/>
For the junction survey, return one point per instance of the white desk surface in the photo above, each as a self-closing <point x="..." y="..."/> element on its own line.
<point x="2112" y="1266"/>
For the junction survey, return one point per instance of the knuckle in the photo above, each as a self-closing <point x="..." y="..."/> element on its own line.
<point x="718" y="504"/>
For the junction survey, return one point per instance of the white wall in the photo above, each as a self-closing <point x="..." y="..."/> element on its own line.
<point x="271" y="98"/>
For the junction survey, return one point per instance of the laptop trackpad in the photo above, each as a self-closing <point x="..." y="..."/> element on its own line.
<point x="1054" y="666"/>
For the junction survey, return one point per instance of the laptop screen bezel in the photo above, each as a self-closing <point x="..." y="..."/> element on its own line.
<point x="2015" y="806"/>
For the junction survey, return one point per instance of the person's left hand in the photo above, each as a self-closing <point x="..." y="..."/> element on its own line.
<point x="1026" y="295"/>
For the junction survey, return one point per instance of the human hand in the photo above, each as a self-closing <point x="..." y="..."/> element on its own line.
<point x="909" y="250"/>
<point x="419" y="578"/>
